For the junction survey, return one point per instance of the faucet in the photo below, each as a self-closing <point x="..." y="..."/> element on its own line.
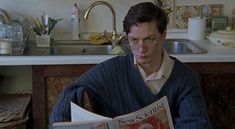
<point x="115" y="39"/>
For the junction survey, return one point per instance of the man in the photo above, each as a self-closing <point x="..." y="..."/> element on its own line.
<point x="127" y="83"/>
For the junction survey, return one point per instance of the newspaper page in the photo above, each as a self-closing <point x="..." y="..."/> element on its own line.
<point x="79" y="114"/>
<point x="83" y="119"/>
<point x="82" y="125"/>
<point x="154" y="116"/>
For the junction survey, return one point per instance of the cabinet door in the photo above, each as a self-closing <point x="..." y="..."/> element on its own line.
<point x="48" y="82"/>
<point x="217" y="81"/>
<point x="218" y="87"/>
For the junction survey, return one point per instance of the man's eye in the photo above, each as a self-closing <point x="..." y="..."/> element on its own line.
<point x="133" y="40"/>
<point x="149" y="40"/>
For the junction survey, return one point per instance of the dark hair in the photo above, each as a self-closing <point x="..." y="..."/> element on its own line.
<point x="145" y="12"/>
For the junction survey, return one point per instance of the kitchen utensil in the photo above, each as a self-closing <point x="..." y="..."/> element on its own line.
<point x="224" y="38"/>
<point x="44" y="27"/>
<point x="51" y="24"/>
<point x="205" y="11"/>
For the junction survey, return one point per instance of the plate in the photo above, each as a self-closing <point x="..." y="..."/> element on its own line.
<point x="4" y="17"/>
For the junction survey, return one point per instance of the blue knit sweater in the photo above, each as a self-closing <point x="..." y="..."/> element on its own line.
<point x="117" y="88"/>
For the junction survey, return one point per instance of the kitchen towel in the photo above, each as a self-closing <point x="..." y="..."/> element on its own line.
<point x="196" y="28"/>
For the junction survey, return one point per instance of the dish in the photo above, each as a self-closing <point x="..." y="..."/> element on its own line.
<point x="4" y="17"/>
<point x="225" y="38"/>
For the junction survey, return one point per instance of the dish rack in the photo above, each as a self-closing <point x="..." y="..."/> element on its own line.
<point x="12" y="31"/>
<point x="14" y="37"/>
<point x="10" y="47"/>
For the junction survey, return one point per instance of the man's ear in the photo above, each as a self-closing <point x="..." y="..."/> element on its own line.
<point x="164" y="34"/>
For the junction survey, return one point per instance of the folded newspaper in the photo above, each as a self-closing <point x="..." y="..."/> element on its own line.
<point x="154" y="116"/>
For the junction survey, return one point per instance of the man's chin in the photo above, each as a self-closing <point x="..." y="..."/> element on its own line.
<point x="142" y="61"/>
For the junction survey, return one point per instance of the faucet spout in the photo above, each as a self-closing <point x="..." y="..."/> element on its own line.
<point x="114" y="33"/>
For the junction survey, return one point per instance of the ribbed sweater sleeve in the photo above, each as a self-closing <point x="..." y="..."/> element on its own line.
<point x="190" y="105"/>
<point x="61" y="110"/>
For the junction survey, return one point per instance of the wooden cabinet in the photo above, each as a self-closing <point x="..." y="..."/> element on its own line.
<point x="48" y="82"/>
<point x="218" y="87"/>
<point x="217" y="81"/>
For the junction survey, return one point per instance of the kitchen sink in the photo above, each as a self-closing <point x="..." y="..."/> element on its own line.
<point x="80" y="49"/>
<point x="83" y="47"/>
<point x="182" y="46"/>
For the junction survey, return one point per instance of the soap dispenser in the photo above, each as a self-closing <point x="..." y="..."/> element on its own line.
<point x="75" y="22"/>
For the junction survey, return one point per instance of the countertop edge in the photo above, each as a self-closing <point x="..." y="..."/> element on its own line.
<point x="214" y="54"/>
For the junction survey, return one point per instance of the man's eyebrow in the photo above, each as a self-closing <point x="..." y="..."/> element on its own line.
<point x="143" y="38"/>
<point x="150" y="36"/>
<point x="131" y="37"/>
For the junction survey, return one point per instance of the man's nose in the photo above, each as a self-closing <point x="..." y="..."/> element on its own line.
<point x="142" y="46"/>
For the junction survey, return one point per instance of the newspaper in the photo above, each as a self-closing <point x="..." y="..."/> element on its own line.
<point x="154" y="116"/>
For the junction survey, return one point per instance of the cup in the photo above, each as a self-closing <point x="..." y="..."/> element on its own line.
<point x="196" y="28"/>
<point x="5" y="47"/>
<point x="43" y="40"/>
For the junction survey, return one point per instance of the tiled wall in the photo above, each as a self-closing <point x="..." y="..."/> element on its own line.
<point x="182" y="13"/>
<point x="100" y="18"/>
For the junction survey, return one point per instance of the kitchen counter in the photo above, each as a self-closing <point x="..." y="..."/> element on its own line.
<point x="214" y="54"/>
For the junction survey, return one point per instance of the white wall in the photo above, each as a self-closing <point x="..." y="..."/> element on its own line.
<point x="100" y="18"/>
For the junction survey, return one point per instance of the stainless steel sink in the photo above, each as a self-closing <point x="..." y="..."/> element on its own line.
<point x="82" y="50"/>
<point x="81" y="47"/>
<point x="176" y="46"/>
<point x="182" y="46"/>
<point x="172" y="46"/>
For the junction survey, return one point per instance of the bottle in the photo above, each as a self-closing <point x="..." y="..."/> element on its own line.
<point x="75" y="22"/>
<point x="233" y="19"/>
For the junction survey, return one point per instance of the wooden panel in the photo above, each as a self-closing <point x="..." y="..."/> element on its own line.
<point x="217" y="81"/>
<point x="42" y="76"/>
<point x="218" y="87"/>
<point x="54" y="86"/>
<point x="219" y="92"/>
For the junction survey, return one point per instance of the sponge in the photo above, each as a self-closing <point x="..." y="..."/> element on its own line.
<point x="117" y="50"/>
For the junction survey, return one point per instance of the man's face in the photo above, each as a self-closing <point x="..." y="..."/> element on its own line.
<point x="146" y="42"/>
